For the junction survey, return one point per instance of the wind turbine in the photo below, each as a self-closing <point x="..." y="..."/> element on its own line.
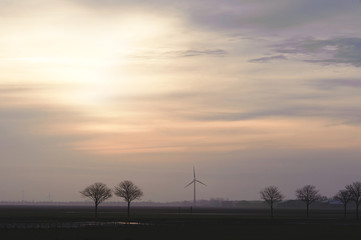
<point x="194" y="181"/>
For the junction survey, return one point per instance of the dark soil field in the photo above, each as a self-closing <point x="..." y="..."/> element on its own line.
<point x="25" y="222"/>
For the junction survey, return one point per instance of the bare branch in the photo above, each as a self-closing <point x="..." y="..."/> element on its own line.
<point x="98" y="192"/>
<point x="308" y="194"/>
<point x="355" y="192"/>
<point x="343" y="196"/>
<point x="271" y="195"/>
<point x="128" y="191"/>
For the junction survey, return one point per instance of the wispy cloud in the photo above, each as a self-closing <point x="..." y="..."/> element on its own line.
<point x="342" y="50"/>
<point x="268" y="59"/>
<point x="239" y="15"/>
<point x="336" y="115"/>
<point x="164" y="54"/>
<point x="332" y="84"/>
<point x="207" y="52"/>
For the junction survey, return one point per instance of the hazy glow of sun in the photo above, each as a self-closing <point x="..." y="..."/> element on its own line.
<point x="85" y="62"/>
<point x="92" y="59"/>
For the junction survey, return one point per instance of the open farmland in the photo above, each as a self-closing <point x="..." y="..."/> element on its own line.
<point x="24" y="222"/>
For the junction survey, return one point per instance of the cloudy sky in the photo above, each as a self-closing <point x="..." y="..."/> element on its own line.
<point x="250" y="92"/>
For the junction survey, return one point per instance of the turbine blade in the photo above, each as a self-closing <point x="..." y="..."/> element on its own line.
<point x="194" y="172"/>
<point x="189" y="184"/>
<point x="201" y="182"/>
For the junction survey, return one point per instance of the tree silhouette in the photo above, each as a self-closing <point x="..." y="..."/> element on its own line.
<point x="129" y="192"/>
<point x="98" y="192"/>
<point x="355" y="192"/>
<point x="343" y="196"/>
<point x="308" y="194"/>
<point x="271" y="195"/>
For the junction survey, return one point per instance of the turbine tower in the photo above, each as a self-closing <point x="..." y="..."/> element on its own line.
<point x="194" y="181"/>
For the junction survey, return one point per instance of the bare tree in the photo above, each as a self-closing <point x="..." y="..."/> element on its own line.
<point x="343" y="196"/>
<point x="308" y="194"/>
<point x="98" y="192"/>
<point x="271" y="195"/>
<point x="355" y="192"/>
<point x="129" y="192"/>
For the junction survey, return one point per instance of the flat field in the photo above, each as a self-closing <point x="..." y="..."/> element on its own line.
<point x="44" y="222"/>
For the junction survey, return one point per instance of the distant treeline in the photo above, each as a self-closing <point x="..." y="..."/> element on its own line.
<point x="201" y="203"/>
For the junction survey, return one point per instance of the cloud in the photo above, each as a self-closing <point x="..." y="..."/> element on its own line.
<point x="208" y="52"/>
<point x="23" y="88"/>
<point x="273" y="100"/>
<point x="268" y="59"/>
<point x="341" y="115"/>
<point x="342" y="50"/>
<point x="163" y="54"/>
<point x="201" y="99"/>
<point x="332" y="84"/>
<point x="237" y="15"/>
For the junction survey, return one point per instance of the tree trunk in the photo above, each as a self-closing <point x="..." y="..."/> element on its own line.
<point x="344" y="210"/>
<point x="128" y="210"/>
<point x="307" y="208"/>
<point x="96" y="211"/>
<point x="357" y="205"/>
<point x="271" y="210"/>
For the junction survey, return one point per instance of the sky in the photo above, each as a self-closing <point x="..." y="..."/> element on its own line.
<point x="252" y="93"/>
